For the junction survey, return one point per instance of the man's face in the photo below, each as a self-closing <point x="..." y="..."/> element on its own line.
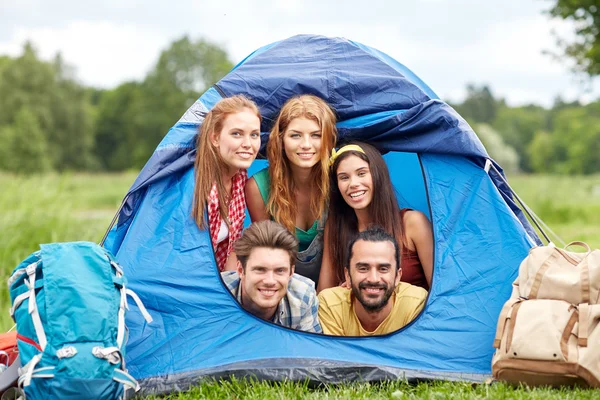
<point x="373" y="274"/>
<point x="265" y="280"/>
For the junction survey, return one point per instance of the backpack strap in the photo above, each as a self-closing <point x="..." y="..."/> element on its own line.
<point x="580" y="244"/>
<point x="111" y="354"/>
<point x="120" y="284"/>
<point x="585" y="281"/>
<point x="537" y="281"/>
<point x="584" y="314"/>
<point x="32" y="285"/>
<point x="27" y="372"/>
<point x="33" y="308"/>
<point x="564" y="340"/>
<point x="505" y="315"/>
<point x="127" y="380"/>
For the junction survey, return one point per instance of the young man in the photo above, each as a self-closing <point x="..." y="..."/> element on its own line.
<point x="378" y="302"/>
<point x="265" y="283"/>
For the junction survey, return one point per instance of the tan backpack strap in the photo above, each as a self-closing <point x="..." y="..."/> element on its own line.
<point x="576" y="258"/>
<point x="584" y="316"/>
<point x="502" y="319"/>
<point x="585" y="281"/>
<point x="537" y="281"/>
<point x="564" y="341"/>
<point x="511" y="324"/>
<point x="580" y="244"/>
<point x="574" y="261"/>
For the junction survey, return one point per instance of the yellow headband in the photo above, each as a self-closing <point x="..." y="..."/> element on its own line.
<point x="349" y="147"/>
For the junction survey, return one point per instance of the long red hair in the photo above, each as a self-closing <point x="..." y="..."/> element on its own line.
<point x="209" y="165"/>
<point x="281" y="204"/>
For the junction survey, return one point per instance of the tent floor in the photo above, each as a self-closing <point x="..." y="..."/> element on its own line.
<point x="315" y="371"/>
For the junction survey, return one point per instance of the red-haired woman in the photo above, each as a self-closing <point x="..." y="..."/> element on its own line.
<point x="362" y="194"/>
<point x="227" y="145"/>
<point x="294" y="190"/>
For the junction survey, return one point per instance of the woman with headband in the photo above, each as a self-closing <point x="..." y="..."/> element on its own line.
<point x="362" y="194"/>
<point x="294" y="190"/>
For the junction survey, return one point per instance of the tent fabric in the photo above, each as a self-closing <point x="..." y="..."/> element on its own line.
<point x="480" y="236"/>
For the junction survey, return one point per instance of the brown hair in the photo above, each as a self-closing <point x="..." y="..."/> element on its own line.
<point x="383" y="209"/>
<point x="209" y="165"/>
<point x="281" y="204"/>
<point x="265" y="234"/>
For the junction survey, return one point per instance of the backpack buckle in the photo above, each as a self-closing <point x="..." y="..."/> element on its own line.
<point x="66" y="352"/>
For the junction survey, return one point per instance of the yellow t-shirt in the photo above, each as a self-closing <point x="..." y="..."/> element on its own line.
<point x="337" y="316"/>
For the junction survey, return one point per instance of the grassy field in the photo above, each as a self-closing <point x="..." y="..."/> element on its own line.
<point x="69" y="207"/>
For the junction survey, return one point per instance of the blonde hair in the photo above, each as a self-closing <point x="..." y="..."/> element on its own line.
<point x="209" y="165"/>
<point x="281" y="204"/>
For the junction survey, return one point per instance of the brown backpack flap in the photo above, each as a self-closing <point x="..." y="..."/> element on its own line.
<point x="543" y="373"/>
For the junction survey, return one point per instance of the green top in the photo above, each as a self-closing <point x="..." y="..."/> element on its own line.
<point x="263" y="181"/>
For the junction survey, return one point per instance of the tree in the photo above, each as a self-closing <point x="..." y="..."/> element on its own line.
<point x="542" y="153"/>
<point x="59" y="104"/>
<point x="576" y="140"/>
<point x="517" y="127"/>
<point x="502" y="153"/>
<point x="584" y="50"/>
<point x="120" y="141"/>
<point x="24" y="146"/>
<point x="134" y="118"/>
<point x="479" y="105"/>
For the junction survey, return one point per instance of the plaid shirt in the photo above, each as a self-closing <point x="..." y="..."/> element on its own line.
<point x="237" y="214"/>
<point x="297" y="310"/>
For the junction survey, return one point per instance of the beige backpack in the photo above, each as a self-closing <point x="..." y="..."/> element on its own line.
<point x="548" y="330"/>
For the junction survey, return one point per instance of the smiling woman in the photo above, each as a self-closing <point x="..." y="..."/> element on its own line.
<point x="228" y="142"/>
<point x="362" y="195"/>
<point x="293" y="191"/>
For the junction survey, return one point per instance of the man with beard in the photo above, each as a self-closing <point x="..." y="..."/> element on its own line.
<point x="378" y="303"/>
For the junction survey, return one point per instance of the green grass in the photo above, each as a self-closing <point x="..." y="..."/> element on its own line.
<point x="52" y="208"/>
<point x="398" y="390"/>
<point x="569" y="205"/>
<point x="69" y="207"/>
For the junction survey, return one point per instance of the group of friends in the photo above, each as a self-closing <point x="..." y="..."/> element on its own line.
<point x="329" y="249"/>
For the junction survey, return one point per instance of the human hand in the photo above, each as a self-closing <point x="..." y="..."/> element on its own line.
<point x="345" y="284"/>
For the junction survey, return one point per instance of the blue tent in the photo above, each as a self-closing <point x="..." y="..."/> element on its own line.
<point x="438" y="165"/>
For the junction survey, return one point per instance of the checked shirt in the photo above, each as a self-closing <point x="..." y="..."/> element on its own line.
<point x="299" y="308"/>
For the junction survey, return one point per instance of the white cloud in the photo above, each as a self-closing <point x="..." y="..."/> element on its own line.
<point x="448" y="43"/>
<point x="103" y="53"/>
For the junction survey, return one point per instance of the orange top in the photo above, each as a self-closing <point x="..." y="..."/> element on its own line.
<point x="412" y="270"/>
<point x="8" y="344"/>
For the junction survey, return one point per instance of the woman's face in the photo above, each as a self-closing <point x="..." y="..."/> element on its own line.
<point x="239" y="140"/>
<point x="302" y="142"/>
<point x="355" y="182"/>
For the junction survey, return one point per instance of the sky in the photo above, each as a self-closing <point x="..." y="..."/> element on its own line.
<point x="447" y="43"/>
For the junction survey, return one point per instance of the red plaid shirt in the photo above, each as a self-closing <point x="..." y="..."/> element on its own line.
<point x="236" y="216"/>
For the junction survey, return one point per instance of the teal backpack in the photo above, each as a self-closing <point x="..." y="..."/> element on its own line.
<point x="69" y="302"/>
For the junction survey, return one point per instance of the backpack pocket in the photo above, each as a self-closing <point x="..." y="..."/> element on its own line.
<point x="542" y="330"/>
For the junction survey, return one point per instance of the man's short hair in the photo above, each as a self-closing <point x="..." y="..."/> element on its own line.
<point x="374" y="233"/>
<point x="268" y="234"/>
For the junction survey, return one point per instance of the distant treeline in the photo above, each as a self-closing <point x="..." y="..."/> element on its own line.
<point x="564" y="139"/>
<point x="50" y="121"/>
